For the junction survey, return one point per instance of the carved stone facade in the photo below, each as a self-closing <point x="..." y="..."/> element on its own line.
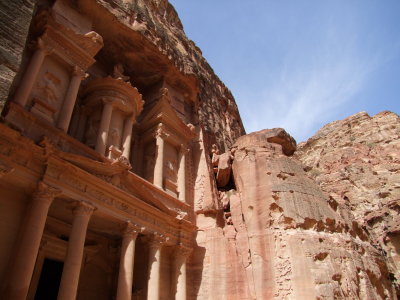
<point x="125" y="174"/>
<point x="94" y="176"/>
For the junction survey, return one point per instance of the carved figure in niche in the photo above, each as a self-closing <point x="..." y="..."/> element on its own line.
<point x="91" y="132"/>
<point x="48" y="90"/>
<point x="170" y="169"/>
<point x="118" y="73"/>
<point x="114" y="137"/>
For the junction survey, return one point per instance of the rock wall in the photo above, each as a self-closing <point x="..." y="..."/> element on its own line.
<point x="356" y="161"/>
<point x="15" y="18"/>
<point x="281" y="236"/>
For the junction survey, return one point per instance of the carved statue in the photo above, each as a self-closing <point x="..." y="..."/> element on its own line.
<point x="48" y="89"/>
<point x="114" y="137"/>
<point x="118" y="73"/>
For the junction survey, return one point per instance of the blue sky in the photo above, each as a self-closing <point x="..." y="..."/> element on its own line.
<point x="300" y="64"/>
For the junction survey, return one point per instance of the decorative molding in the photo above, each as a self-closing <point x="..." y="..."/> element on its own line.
<point x="45" y="192"/>
<point x="83" y="208"/>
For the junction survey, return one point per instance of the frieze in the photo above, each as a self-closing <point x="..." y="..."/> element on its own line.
<point x="57" y="41"/>
<point x="72" y="181"/>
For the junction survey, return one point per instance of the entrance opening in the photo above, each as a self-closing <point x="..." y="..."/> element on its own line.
<point x="50" y="279"/>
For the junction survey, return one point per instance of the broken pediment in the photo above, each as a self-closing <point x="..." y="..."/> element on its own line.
<point x="160" y="111"/>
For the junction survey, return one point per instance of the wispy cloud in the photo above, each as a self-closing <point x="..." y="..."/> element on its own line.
<point x="314" y="87"/>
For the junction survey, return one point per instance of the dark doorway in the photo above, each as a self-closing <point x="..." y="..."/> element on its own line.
<point x="49" y="281"/>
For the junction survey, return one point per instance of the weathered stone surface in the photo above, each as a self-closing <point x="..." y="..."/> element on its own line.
<point x="276" y="136"/>
<point x="299" y="245"/>
<point x="15" y="18"/>
<point x="357" y="162"/>
<point x="324" y="229"/>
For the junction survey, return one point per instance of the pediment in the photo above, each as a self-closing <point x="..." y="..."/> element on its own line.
<point x="161" y="111"/>
<point x="118" y="175"/>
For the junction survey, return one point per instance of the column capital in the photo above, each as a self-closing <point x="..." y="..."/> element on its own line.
<point x="132" y="229"/>
<point x="160" y="132"/>
<point x="183" y="251"/>
<point x="183" y="149"/>
<point x="45" y="192"/>
<point x="131" y="118"/>
<point x="79" y="72"/>
<point x="40" y="44"/>
<point x="157" y="240"/>
<point x="83" y="209"/>
<point x="107" y="101"/>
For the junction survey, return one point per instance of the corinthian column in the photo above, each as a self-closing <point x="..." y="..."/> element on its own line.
<point x="181" y="256"/>
<point x="125" y="276"/>
<point x="29" y="78"/>
<point x="159" y="164"/>
<point x="104" y="127"/>
<point x="73" y="260"/>
<point x="182" y="174"/>
<point x="70" y="99"/>
<point x="21" y="273"/>
<point x="127" y="137"/>
<point x="153" y="287"/>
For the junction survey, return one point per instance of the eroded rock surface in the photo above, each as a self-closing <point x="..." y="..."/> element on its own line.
<point x="14" y="24"/>
<point x="356" y="161"/>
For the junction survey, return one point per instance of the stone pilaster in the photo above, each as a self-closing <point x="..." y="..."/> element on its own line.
<point x="30" y="75"/>
<point x="182" y="173"/>
<point x="73" y="261"/>
<point x="21" y="273"/>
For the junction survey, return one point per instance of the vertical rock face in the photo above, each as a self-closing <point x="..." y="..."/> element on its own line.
<point x="14" y="24"/>
<point x="357" y="162"/>
<point x="281" y="236"/>
<point x="299" y="245"/>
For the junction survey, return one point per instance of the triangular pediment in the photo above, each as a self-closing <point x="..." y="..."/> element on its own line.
<point x="118" y="176"/>
<point x="162" y="112"/>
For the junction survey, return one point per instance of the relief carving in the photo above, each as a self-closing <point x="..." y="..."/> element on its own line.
<point x="118" y="73"/>
<point x="48" y="89"/>
<point x="47" y="96"/>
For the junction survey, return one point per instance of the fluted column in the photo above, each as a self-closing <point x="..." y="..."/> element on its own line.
<point x="182" y="173"/>
<point x="153" y="287"/>
<point x="181" y="256"/>
<point x="125" y="276"/>
<point x="104" y="127"/>
<point x="70" y="99"/>
<point x="159" y="164"/>
<point x="21" y="273"/>
<point x="29" y="77"/>
<point x="127" y="137"/>
<point x="73" y="261"/>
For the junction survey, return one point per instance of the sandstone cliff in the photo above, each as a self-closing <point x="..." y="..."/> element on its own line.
<point x="356" y="161"/>
<point x="15" y="18"/>
<point x="279" y="236"/>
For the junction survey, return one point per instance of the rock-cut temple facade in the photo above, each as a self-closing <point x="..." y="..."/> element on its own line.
<point x="125" y="173"/>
